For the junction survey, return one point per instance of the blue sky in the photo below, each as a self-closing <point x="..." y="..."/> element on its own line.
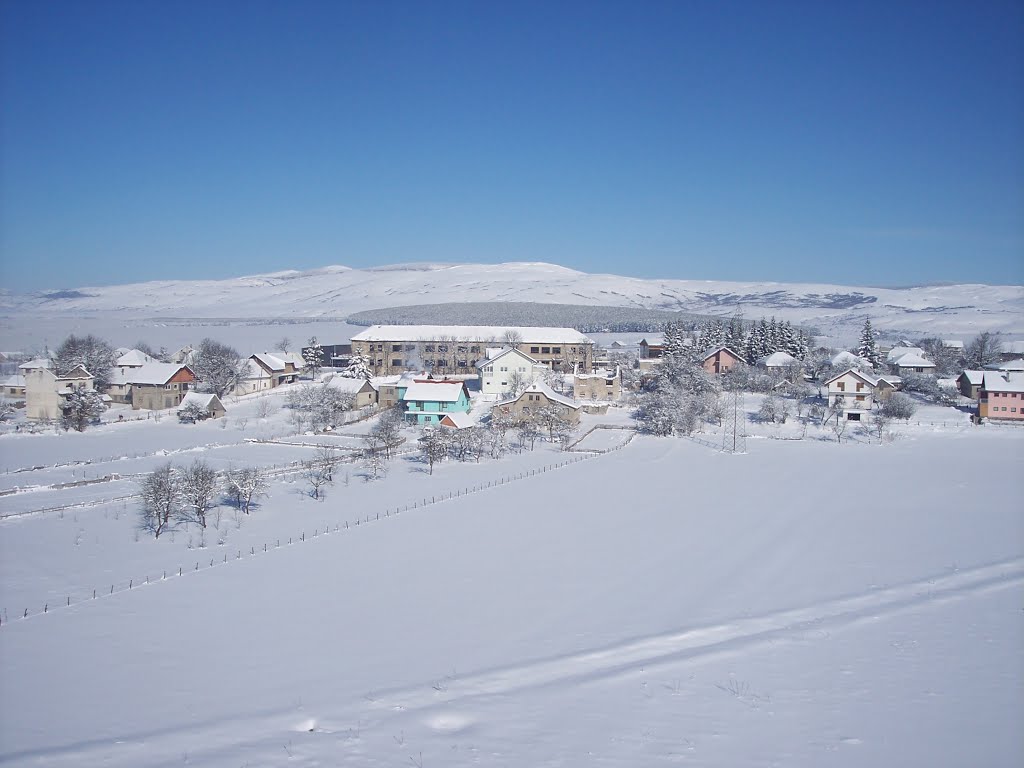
<point x="864" y="143"/>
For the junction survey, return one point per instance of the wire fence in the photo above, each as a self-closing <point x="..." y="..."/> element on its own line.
<point x="225" y="555"/>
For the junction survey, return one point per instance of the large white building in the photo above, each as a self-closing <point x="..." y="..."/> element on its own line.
<point x="503" y="368"/>
<point x="457" y="349"/>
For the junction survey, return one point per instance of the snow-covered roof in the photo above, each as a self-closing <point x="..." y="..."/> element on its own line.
<point x="848" y="359"/>
<point x="544" y="389"/>
<point x="913" y="360"/>
<point x="17" y="380"/>
<point x="600" y="373"/>
<point x="723" y="348"/>
<point x="866" y="378"/>
<point x="346" y="383"/>
<point x="897" y="352"/>
<point x="658" y="340"/>
<point x="39" y="362"/>
<point x="134" y="358"/>
<point x="458" y="420"/>
<point x="952" y="344"/>
<point x="1003" y="381"/>
<point x="975" y="378"/>
<point x="492" y="352"/>
<point x="271" y="361"/>
<point x="149" y="374"/>
<point x="528" y="335"/>
<point x="203" y="400"/>
<point x="1009" y="365"/>
<point x="778" y="360"/>
<point x="502" y="353"/>
<point x="434" y="391"/>
<point x="78" y="372"/>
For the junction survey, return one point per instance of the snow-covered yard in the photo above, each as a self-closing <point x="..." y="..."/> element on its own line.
<point x="805" y="603"/>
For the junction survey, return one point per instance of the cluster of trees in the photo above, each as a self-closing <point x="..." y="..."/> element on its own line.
<point x="318" y="406"/>
<point x="174" y="496"/>
<point x="681" y="396"/>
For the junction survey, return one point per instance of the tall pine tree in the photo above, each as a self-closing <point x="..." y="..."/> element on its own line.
<point x="868" y="347"/>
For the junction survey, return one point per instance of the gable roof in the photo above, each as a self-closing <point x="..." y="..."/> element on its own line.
<point x="202" y="399"/>
<point x="848" y="358"/>
<point x="348" y="384"/>
<point x="134" y="358"/>
<point x="270" y="362"/>
<point x="539" y="387"/>
<point x="913" y="360"/>
<point x="151" y="374"/>
<point x="897" y="352"/>
<point x="722" y="348"/>
<point x="657" y="340"/>
<point x="39" y="362"/>
<point x="435" y="391"/>
<point x="1003" y="381"/>
<point x="457" y="420"/>
<point x="974" y="378"/>
<point x="1009" y="365"/>
<point x="503" y="353"/>
<point x="78" y="372"/>
<point x="527" y="335"/>
<point x="778" y="360"/>
<point x="871" y="381"/>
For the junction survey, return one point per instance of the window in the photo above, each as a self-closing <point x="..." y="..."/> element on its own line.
<point x="557" y="350"/>
<point x="474" y="348"/>
<point x="462" y="348"/>
<point x="396" y="363"/>
<point x="859" y="386"/>
<point x="442" y="363"/>
<point x="442" y="347"/>
<point x="545" y="350"/>
<point x="463" y="364"/>
<point x="535" y="349"/>
<point x="380" y="347"/>
<point x="841" y="386"/>
<point x="1013" y="410"/>
<point x="396" y="347"/>
<point x="410" y="347"/>
<point x="428" y="347"/>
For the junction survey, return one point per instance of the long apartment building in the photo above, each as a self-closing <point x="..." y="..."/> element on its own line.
<point x="456" y="349"/>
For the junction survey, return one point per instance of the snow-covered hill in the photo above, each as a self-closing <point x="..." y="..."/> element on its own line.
<point x="336" y="291"/>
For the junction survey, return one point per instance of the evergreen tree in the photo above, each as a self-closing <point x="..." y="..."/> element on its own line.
<point x="868" y="347"/>
<point x="676" y="348"/>
<point x="313" y="357"/>
<point x="358" y="368"/>
<point x="82" y="407"/>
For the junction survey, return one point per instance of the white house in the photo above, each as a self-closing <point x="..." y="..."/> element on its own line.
<point x="854" y="391"/>
<point x="846" y="359"/>
<point x="502" y="366"/>
<point x="45" y="391"/>
<point x="912" y="362"/>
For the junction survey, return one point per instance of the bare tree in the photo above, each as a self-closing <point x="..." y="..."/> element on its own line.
<point x="218" y="367"/>
<point x="434" y="446"/>
<point x="512" y="337"/>
<point x="161" y="500"/>
<point x="387" y="430"/>
<point x="285" y="344"/>
<point x="373" y="460"/>
<point x="984" y="349"/>
<point x="527" y="432"/>
<point x="246" y="485"/>
<point x="838" y="426"/>
<point x="199" y="489"/>
<point x="517" y="383"/>
<point x="879" y="424"/>
<point x="317" y="477"/>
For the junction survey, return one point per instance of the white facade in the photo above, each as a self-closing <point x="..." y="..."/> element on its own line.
<point x="855" y="391"/>
<point x="496" y="373"/>
<point x="45" y="392"/>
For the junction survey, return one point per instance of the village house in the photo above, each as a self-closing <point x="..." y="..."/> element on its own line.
<point x="845" y="359"/>
<point x="1001" y="397"/>
<point x="427" y="400"/>
<point x="535" y="397"/>
<point x="281" y="367"/>
<point x="133" y="358"/>
<point x="156" y="386"/>
<point x="969" y="383"/>
<point x="457" y="421"/>
<point x="256" y="378"/>
<point x="853" y="391"/>
<point x="904" y="360"/>
<point x="391" y="388"/>
<point x="1014" y="364"/>
<point x="209" y="404"/>
<point x="504" y="367"/>
<point x="45" y="391"/>
<point x="719" y="360"/>
<point x="361" y="389"/>
<point x="652" y="347"/>
<point x="603" y="385"/>
<point x="14" y="386"/>
<point x="457" y="349"/>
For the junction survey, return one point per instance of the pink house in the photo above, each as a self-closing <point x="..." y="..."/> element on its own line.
<point x="720" y="360"/>
<point x="1001" y="396"/>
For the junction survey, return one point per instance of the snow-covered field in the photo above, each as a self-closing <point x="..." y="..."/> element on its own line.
<point x="247" y="310"/>
<point x="641" y="602"/>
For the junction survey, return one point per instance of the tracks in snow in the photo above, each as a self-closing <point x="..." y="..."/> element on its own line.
<point x="732" y="636"/>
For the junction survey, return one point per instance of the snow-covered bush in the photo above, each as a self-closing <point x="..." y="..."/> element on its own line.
<point x="899" y="406"/>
